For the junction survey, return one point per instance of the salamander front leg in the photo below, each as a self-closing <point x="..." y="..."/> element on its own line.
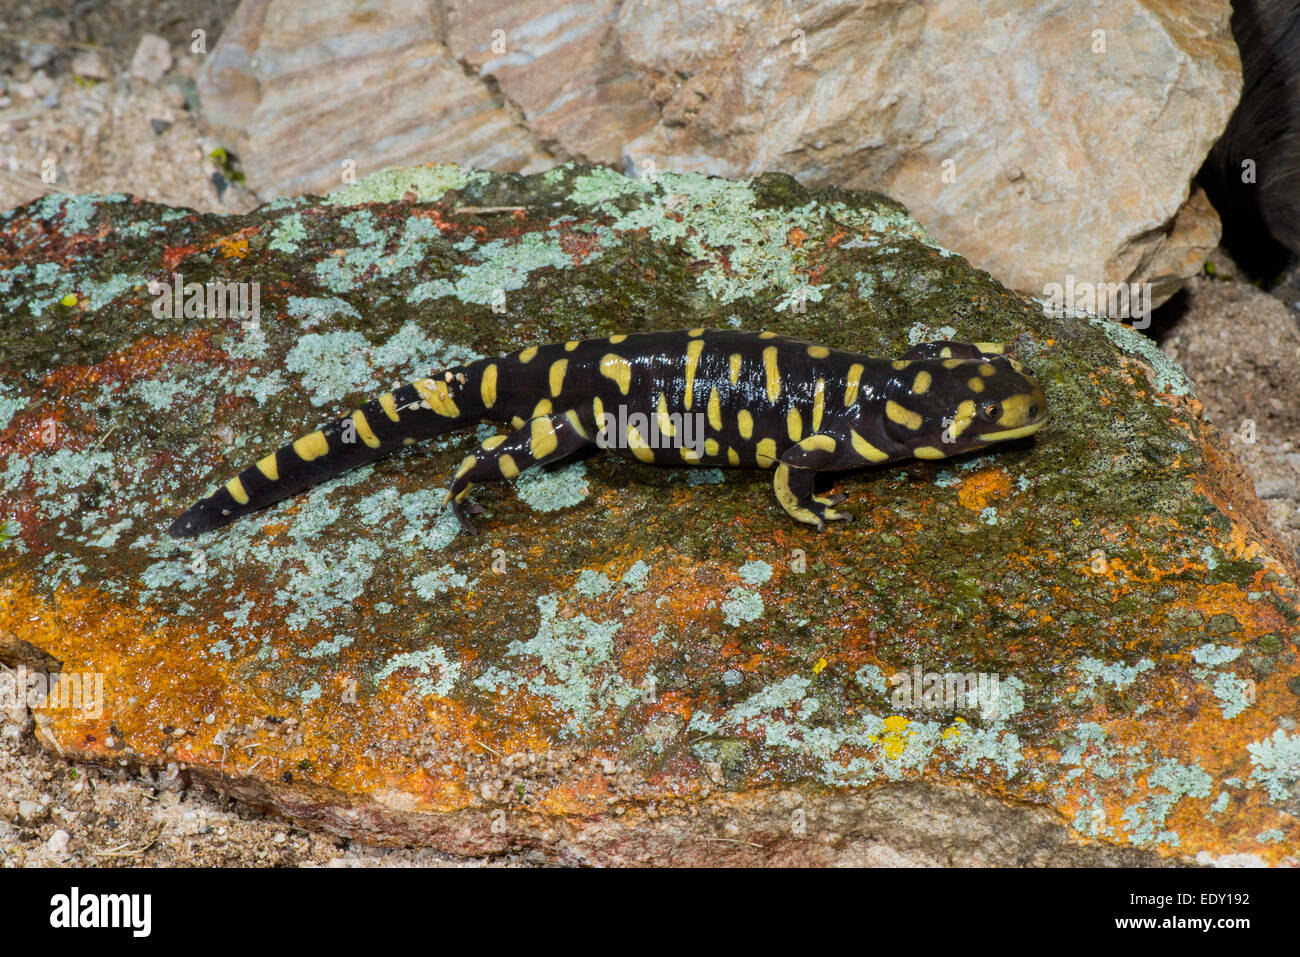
<point x="540" y="440"/>
<point x="796" y="474"/>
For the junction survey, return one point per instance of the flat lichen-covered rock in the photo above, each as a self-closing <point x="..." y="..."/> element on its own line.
<point x="630" y="662"/>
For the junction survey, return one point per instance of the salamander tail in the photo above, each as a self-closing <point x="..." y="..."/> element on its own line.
<point x="420" y="410"/>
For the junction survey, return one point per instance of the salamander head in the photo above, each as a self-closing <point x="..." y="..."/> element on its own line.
<point x="941" y="407"/>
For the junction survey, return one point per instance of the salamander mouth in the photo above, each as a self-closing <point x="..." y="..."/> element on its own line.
<point x="1017" y="433"/>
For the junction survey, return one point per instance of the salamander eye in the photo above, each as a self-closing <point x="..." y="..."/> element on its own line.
<point x="990" y="411"/>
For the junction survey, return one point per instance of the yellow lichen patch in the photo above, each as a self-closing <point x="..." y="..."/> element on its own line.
<point x="894" y="736"/>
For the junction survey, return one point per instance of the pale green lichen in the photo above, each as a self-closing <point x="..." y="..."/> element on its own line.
<point x="336" y="365"/>
<point x="436" y="675"/>
<point x="545" y="490"/>
<point x="288" y="233"/>
<point x="1212" y="654"/>
<point x="1235" y="695"/>
<point x="1276" y="763"/>
<point x="592" y="584"/>
<point x="1168" y="375"/>
<point x="741" y="605"/>
<point x="1117" y="675"/>
<point x="755" y="573"/>
<point x="390" y="185"/>
<point x="439" y="581"/>
<point x="327" y="647"/>
<point x="504" y="266"/>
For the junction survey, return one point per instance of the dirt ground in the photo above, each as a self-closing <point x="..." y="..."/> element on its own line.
<point x="71" y="99"/>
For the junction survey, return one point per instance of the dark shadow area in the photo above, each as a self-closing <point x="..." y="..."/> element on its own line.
<point x="1261" y="216"/>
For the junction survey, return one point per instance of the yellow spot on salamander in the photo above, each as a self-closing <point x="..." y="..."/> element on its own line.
<point x="435" y="393"/>
<point x="767" y="335"/>
<point x="389" y="405"/>
<point x="696" y="332"/>
<point x="507" y="466"/>
<point x="866" y="449"/>
<point x="665" y="423"/>
<point x="618" y="369"/>
<point x="312" y="446"/>
<point x="733" y="456"/>
<point x="901" y="364"/>
<point x="637" y="443"/>
<point x="818" y="352"/>
<point x="711" y="446"/>
<point x="855" y="378"/>
<point x="236" y="489"/>
<point x="363" y="429"/>
<point x="986" y="369"/>
<point x="818" y="443"/>
<point x="558" y="368"/>
<point x="715" y="410"/>
<point x="526" y="356"/>
<point x="269" y="468"/>
<point x="689" y="454"/>
<point x="617" y="338"/>
<point x="975" y="384"/>
<point x="488" y="386"/>
<point x="543" y="441"/>
<point x="928" y="452"/>
<point x="541" y="408"/>
<point x="765" y="453"/>
<point x="904" y="417"/>
<point x="493" y="442"/>
<point x="408" y="441"/>
<point x="745" y="423"/>
<point x="996" y="348"/>
<point x="576" y="423"/>
<point x="819" y="403"/>
<point x="571" y="345"/>
<point x="692" y="363"/>
<point x="952" y="363"/>
<point x="773" y="374"/>
<point x="962" y="420"/>
<point x="467" y="463"/>
<point x="794" y="425"/>
<point x="921" y="383"/>
<point x="598" y="409"/>
<point x="945" y="352"/>
<point x="735" y="367"/>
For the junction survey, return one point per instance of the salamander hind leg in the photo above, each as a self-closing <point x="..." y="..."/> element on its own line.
<point x="540" y="440"/>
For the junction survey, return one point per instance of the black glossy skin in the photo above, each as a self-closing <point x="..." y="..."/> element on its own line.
<point x="555" y="410"/>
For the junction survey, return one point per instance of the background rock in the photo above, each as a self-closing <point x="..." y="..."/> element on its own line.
<point x="652" y="664"/>
<point x="1043" y="182"/>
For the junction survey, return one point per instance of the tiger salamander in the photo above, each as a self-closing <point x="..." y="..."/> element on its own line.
<point x="704" y="397"/>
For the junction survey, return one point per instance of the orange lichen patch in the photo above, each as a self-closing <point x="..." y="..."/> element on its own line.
<point x="173" y="256"/>
<point x="577" y="246"/>
<point x="233" y="247"/>
<point x="978" y="490"/>
<point x="795" y="237"/>
<point x="580" y="797"/>
<point x="143" y="358"/>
